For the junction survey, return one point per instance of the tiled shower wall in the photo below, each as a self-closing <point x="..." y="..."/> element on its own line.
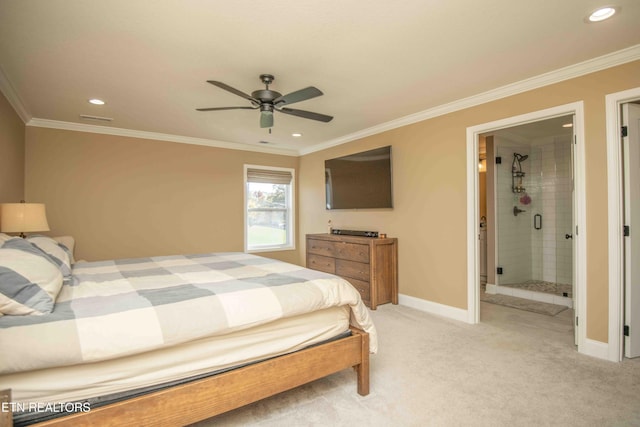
<point x="525" y="253"/>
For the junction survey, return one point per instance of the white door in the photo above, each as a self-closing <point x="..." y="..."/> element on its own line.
<point x="631" y="165"/>
<point x="574" y="221"/>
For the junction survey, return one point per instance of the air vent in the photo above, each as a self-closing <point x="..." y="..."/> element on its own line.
<point x="97" y="118"/>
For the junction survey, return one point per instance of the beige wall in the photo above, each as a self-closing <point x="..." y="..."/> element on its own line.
<point x="11" y="154"/>
<point x="128" y="197"/>
<point x="430" y="208"/>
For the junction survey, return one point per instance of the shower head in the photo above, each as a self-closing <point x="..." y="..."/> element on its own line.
<point x="520" y="157"/>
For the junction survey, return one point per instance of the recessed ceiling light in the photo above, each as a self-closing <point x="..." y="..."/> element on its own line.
<point x="567" y="125"/>
<point x="602" y="13"/>
<point x="96" y="101"/>
<point x="296" y="135"/>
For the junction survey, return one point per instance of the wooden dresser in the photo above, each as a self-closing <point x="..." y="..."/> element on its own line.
<point x="369" y="264"/>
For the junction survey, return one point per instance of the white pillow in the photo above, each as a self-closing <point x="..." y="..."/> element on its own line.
<point x="58" y="252"/>
<point x="29" y="280"/>
<point x="68" y="242"/>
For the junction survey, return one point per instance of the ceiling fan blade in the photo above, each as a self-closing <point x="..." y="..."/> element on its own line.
<point x="226" y="108"/>
<point x="266" y="119"/>
<point x="233" y="90"/>
<point x="299" y="95"/>
<point x="306" y="114"/>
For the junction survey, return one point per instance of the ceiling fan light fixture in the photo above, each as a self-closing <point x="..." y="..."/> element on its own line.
<point x="266" y="116"/>
<point x="602" y="13"/>
<point x="268" y="101"/>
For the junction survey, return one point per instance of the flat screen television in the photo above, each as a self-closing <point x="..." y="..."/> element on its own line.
<point x="359" y="181"/>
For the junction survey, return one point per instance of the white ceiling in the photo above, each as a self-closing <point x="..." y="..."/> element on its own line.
<point x="376" y="61"/>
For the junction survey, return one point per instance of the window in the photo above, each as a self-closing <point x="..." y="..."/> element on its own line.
<point x="269" y="207"/>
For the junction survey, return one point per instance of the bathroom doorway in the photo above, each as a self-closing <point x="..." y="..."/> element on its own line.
<point x="535" y="207"/>
<point x="531" y="177"/>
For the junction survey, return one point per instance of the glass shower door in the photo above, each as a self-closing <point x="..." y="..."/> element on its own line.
<point x="564" y="217"/>
<point x="513" y="215"/>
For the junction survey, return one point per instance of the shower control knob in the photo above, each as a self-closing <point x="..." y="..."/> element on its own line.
<point x="568" y="236"/>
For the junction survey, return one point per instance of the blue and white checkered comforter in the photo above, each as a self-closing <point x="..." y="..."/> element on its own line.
<point x="117" y="308"/>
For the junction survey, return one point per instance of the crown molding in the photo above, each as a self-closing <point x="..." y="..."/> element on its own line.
<point x="81" y="127"/>
<point x="572" y="71"/>
<point x="12" y="96"/>
<point x="590" y="66"/>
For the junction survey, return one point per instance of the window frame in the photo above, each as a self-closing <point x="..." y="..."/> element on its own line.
<point x="291" y="228"/>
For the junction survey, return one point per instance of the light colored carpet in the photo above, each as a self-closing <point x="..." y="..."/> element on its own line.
<point x="523" y="304"/>
<point x="515" y="368"/>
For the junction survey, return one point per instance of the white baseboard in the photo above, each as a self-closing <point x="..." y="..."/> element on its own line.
<point x="597" y="349"/>
<point x="434" y="308"/>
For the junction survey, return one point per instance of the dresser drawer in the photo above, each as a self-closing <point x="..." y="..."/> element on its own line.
<point x="321" y="263"/>
<point x="356" y="270"/>
<point x="352" y="251"/>
<point x="364" y="288"/>
<point x="320" y="247"/>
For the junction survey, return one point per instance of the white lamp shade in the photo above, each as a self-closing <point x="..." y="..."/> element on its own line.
<point x="23" y="217"/>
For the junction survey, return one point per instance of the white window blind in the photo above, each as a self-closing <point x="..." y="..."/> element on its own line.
<point x="269" y="176"/>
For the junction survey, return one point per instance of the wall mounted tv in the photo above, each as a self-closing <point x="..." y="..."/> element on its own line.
<point x="359" y="181"/>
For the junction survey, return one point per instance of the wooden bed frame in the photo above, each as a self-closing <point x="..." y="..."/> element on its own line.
<point x="201" y="399"/>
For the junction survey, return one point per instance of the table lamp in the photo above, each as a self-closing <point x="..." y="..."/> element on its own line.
<point x="23" y="218"/>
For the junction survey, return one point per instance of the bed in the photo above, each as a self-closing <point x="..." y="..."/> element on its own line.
<point x="106" y="343"/>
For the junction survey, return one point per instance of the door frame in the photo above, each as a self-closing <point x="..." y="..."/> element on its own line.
<point x="579" y="243"/>
<point x="615" y="219"/>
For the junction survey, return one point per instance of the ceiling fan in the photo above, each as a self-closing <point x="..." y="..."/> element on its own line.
<point x="269" y="101"/>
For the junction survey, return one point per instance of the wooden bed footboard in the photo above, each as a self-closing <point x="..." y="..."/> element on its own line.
<point x="201" y="399"/>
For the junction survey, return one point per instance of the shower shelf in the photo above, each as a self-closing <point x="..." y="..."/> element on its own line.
<point x="516" y="173"/>
<point x="516" y="182"/>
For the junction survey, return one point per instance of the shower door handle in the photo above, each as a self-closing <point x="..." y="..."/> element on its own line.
<point x="568" y="236"/>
